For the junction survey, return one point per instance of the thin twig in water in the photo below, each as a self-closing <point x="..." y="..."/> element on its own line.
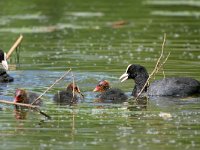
<point x="159" y="59"/>
<point x="18" y="104"/>
<point x="157" y="67"/>
<point x="38" y="98"/>
<point x="163" y="73"/>
<point x="73" y="84"/>
<point x="73" y="88"/>
<point x="42" y="113"/>
<point x="73" y="120"/>
<point x="35" y="107"/>
<point x="161" y="65"/>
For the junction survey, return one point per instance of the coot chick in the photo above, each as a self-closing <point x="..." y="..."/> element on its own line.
<point x="108" y="94"/>
<point x="66" y="96"/>
<point x="174" y="86"/>
<point x="23" y="96"/>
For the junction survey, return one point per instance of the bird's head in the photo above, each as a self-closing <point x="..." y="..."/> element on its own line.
<point x="102" y="86"/>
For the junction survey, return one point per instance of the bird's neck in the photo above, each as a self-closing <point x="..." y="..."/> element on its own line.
<point x="104" y="89"/>
<point x="25" y="99"/>
<point x="140" y="82"/>
<point x="68" y="89"/>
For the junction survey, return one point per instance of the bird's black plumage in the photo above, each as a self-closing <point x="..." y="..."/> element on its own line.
<point x="65" y="97"/>
<point x="4" y="77"/>
<point x="114" y="95"/>
<point x="2" y="55"/>
<point x="175" y="86"/>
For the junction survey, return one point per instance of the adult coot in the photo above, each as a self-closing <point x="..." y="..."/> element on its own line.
<point x="113" y="94"/>
<point x="66" y="96"/>
<point x="23" y="96"/>
<point x="174" y="86"/>
<point x="4" y="77"/>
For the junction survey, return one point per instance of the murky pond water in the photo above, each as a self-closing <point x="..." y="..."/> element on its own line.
<point x="98" y="39"/>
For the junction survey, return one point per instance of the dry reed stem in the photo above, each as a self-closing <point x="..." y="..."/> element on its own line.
<point x="18" y="104"/>
<point x="157" y="67"/>
<point x="42" y="113"/>
<point x="35" y="107"/>
<point x="73" y="85"/>
<point x="159" y="59"/>
<point x="161" y="65"/>
<point x="51" y="86"/>
<point x="18" y="41"/>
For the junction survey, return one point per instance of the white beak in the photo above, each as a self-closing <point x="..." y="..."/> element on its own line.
<point x="4" y="62"/>
<point x="124" y="77"/>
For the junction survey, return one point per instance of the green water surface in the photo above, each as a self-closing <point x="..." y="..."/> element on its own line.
<point x="98" y="39"/>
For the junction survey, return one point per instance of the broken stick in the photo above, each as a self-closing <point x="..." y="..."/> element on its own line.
<point x="19" y="104"/>
<point x="35" y="107"/>
<point x="18" y="41"/>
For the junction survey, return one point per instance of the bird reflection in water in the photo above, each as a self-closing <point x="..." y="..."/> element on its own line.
<point x="137" y="105"/>
<point x="20" y="114"/>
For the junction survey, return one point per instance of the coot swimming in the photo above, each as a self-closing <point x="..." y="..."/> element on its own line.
<point x="115" y="95"/>
<point x="174" y="86"/>
<point x="66" y="96"/>
<point x="4" y="77"/>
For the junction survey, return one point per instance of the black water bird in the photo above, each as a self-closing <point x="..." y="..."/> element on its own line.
<point x="174" y="86"/>
<point x="69" y="95"/>
<point x="4" y="77"/>
<point x="108" y="94"/>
